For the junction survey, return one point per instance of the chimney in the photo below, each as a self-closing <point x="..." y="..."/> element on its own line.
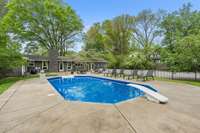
<point x="53" y="60"/>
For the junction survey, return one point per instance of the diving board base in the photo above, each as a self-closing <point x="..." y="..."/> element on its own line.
<point x="151" y="95"/>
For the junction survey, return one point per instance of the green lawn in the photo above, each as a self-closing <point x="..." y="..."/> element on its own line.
<point x="7" y="82"/>
<point x="191" y="82"/>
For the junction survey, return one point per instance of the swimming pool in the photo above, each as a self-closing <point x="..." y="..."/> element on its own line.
<point x="94" y="89"/>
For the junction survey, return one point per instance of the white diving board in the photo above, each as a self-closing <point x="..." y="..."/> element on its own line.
<point x="155" y="95"/>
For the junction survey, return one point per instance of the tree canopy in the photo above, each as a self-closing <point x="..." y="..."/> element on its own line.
<point x="111" y="37"/>
<point x="119" y="37"/>
<point x="182" y="39"/>
<point x="51" y="24"/>
<point x="139" y="41"/>
<point x="10" y="56"/>
<point x="39" y="25"/>
<point x="94" y="38"/>
<point x="147" y="27"/>
<point x="126" y="41"/>
<point x="3" y="9"/>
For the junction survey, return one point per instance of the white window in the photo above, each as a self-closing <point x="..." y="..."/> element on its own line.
<point x="44" y="65"/>
<point x="69" y="66"/>
<point x="31" y="64"/>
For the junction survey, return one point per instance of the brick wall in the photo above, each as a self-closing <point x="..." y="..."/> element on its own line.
<point x="53" y="63"/>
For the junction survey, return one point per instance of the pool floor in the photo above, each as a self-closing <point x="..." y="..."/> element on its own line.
<point x="93" y="89"/>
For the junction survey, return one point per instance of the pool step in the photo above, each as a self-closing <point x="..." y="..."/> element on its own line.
<point x="155" y="95"/>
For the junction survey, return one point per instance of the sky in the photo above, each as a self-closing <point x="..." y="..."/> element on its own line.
<point x="91" y="11"/>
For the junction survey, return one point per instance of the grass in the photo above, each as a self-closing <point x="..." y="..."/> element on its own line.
<point x="7" y="82"/>
<point x="190" y="82"/>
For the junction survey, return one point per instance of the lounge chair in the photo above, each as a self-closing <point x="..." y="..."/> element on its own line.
<point x="82" y="71"/>
<point x="149" y="74"/>
<point x="114" y="73"/>
<point x="127" y="73"/>
<point x="146" y="76"/>
<point x="107" y="72"/>
<point x="119" y="72"/>
<point x="100" y="70"/>
<point x="134" y="73"/>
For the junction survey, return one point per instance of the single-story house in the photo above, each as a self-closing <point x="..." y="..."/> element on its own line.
<point x="62" y="63"/>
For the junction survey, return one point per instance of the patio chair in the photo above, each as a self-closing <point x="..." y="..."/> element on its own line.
<point x="146" y="75"/>
<point x="117" y="72"/>
<point x="114" y="73"/>
<point x="141" y="75"/>
<point x="128" y="74"/>
<point x="100" y="70"/>
<point x="95" y="70"/>
<point x="121" y="73"/>
<point x="107" y="72"/>
<point x="135" y="73"/>
<point x="149" y="74"/>
<point x="82" y="71"/>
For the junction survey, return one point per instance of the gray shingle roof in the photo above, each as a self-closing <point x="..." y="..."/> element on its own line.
<point x="36" y="58"/>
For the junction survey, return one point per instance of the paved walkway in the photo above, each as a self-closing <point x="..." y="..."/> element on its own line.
<point x="32" y="106"/>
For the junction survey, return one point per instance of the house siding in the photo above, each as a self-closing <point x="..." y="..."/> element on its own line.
<point x="69" y="64"/>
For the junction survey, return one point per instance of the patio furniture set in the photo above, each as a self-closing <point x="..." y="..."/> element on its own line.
<point x="128" y="74"/>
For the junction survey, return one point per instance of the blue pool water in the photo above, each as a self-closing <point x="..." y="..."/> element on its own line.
<point x="93" y="89"/>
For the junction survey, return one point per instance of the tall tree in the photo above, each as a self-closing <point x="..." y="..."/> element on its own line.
<point x="182" y="39"/>
<point x="3" y="9"/>
<point x="94" y="38"/>
<point x="10" y="56"/>
<point x="117" y="34"/>
<point x="147" y="27"/>
<point x="49" y="23"/>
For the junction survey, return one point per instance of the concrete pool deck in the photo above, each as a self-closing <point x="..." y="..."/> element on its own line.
<point x="32" y="106"/>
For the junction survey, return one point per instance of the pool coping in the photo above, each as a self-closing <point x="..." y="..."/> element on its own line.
<point x="102" y="77"/>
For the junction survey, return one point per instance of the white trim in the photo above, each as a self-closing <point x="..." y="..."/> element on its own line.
<point x="23" y="70"/>
<point x="69" y="65"/>
<point x="31" y="62"/>
<point x="47" y="67"/>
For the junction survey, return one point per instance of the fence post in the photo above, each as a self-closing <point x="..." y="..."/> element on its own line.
<point x="154" y="73"/>
<point x="172" y="75"/>
<point x="195" y="75"/>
